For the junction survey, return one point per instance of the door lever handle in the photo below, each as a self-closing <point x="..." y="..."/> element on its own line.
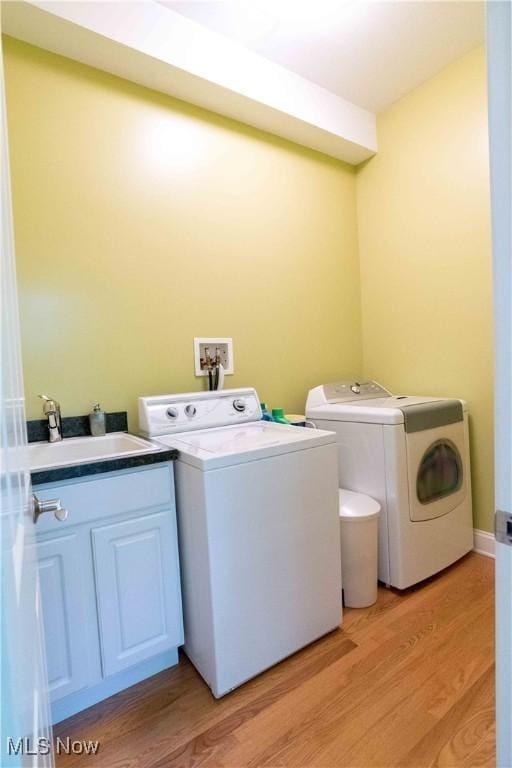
<point x="51" y="505"/>
<point x="503" y="527"/>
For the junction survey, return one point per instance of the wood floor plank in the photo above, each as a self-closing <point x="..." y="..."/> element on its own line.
<point x="448" y="587"/>
<point x="183" y="728"/>
<point x="119" y="714"/>
<point x="405" y="683"/>
<point x="464" y="736"/>
<point x="440" y="679"/>
<point x="327" y="703"/>
<point x="342" y="714"/>
<point x="382" y="674"/>
<point x="202" y="748"/>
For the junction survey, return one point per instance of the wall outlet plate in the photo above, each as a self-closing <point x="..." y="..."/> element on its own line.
<point x="225" y="351"/>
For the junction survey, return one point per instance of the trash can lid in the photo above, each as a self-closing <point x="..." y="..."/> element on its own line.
<point x="357" y="506"/>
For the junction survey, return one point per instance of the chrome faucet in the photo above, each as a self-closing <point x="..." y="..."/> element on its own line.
<point x="51" y="409"/>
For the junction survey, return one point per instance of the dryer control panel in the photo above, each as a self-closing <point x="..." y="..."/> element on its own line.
<point x="344" y="392"/>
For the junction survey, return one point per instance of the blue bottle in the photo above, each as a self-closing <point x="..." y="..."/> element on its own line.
<point x="265" y="413"/>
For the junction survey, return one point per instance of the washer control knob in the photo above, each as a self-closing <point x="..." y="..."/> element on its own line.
<point x="172" y="413"/>
<point x="356" y="388"/>
<point x="190" y="410"/>
<point x="239" y="406"/>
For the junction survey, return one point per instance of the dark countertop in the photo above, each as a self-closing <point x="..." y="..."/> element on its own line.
<point x="78" y="426"/>
<point x="98" y="467"/>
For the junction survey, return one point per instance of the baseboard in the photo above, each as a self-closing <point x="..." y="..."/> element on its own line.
<point x="483" y="542"/>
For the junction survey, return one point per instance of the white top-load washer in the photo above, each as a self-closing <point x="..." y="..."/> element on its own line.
<point x="412" y="455"/>
<point x="258" y="525"/>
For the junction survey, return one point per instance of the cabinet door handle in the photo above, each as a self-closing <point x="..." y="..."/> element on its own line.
<point x="51" y="505"/>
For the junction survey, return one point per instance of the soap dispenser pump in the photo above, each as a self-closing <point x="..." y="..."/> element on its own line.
<point x="97" y="421"/>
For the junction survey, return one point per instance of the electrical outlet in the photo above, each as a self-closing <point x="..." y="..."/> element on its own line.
<point x="213" y="346"/>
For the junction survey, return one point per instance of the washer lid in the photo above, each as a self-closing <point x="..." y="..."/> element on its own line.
<point x="357" y="506"/>
<point x="240" y="443"/>
<point x="380" y="410"/>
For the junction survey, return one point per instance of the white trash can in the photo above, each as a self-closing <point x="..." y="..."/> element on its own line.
<point x="359" y="525"/>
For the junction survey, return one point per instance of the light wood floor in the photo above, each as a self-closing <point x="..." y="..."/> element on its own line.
<point x="407" y="683"/>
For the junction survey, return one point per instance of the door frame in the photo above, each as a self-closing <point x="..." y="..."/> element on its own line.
<point x="499" y="60"/>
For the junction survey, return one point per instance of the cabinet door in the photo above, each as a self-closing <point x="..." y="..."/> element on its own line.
<point x="138" y="589"/>
<point x="64" y="604"/>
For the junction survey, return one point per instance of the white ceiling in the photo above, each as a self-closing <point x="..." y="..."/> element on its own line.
<point x="371" y="52"/>
<point x="149" y="44"/>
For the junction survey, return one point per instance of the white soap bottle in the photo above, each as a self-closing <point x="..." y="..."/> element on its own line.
<point x="97" y="421"/>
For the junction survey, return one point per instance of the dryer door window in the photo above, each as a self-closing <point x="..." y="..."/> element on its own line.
<point x="439" y="473"/>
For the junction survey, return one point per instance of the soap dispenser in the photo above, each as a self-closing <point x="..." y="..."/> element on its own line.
<point x="97" y="421"/>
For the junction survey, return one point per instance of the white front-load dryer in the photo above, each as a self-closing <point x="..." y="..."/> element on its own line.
<point x="412" y="455"/>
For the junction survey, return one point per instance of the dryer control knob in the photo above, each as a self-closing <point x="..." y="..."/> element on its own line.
<point x="190" y="410"/>
<point x="239" y="406"/>
<point x="356" y="388"/>
<point x="172" y="413"/>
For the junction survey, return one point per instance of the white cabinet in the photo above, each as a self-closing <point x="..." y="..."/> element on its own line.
<point x="110" y="584"/>
<point x="137" y="584"/>
<point x="64" y="597"/>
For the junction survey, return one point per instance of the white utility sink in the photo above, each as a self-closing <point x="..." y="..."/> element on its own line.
<point x="80" y="450"/>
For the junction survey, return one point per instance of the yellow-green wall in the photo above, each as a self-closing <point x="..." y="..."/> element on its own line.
<point x="141" y="222"/>
<point x="425" y="253"/>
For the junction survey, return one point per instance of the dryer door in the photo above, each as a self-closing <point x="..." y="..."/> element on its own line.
<point x="436" y="470"/>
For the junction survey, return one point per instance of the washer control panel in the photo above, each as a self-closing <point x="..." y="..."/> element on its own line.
<point x="167" y="414"/>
